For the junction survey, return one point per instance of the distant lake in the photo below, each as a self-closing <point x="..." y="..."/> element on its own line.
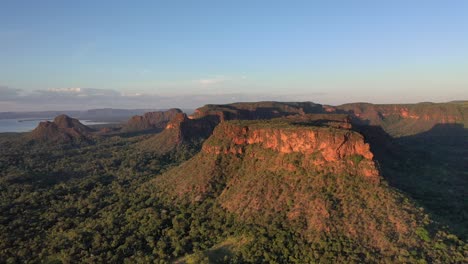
<point x="25" y="125"/>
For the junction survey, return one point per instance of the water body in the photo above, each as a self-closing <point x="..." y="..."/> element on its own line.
<point x="26" y="125"/>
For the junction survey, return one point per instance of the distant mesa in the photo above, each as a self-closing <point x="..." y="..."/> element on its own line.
<point x="62" y="129"/>
<point x="406" y="119"/>
<point x="174" y="128"/>
<point x="256" y="110"/>
<point x="200" y="125"/>
<point x="324" y="143"/>
<point x="396" y="120"/>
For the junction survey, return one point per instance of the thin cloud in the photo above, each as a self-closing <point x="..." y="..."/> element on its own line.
<point x="213" y="81"/>
<point x="90" y="98"/>
<point x="80" y="92"/>
<point x="7" y="93"/>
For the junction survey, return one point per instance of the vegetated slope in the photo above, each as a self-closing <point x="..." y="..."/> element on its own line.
<point x="321" y="181"/>
<point x="75" y="203"/>
<point x="62" y="129"/>
<point x="150" y="120"/>
<point x="432" y="168"/>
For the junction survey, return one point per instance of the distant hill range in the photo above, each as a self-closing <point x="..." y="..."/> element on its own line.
<point x="397" y="120"/>
<point x="104" y="114"/>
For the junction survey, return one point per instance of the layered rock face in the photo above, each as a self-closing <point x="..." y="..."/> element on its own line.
<point x="335" y="150"/>
<point x="150" y="120"/>
<point x="333" y="145"/>
<point x="62" y="129"/>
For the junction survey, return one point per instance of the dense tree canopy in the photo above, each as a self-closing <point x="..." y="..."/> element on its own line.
<point x="92" y="202"/>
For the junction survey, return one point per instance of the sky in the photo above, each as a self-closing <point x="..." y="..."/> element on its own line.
<point x="158" y="54"/>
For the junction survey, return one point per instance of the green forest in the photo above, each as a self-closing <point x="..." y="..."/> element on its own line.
<point x="97" y="202"/>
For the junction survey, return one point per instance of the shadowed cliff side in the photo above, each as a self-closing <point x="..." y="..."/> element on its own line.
<point x="180" y="130"/>
<point x="153" y="121"/>
<point x="431" y="167"/>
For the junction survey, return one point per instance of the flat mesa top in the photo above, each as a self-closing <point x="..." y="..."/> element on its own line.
<point x="304" y="121"/>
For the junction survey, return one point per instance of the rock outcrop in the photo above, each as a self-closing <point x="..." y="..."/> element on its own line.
<point x="333" y="145"/>
<point x="62" y="129"/>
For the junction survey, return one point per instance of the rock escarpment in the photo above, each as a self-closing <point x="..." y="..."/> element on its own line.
<point x="406" y="119"/>
<point x="321" y="147"/>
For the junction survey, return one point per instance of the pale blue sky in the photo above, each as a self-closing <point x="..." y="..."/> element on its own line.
<point x="325" y="51"/>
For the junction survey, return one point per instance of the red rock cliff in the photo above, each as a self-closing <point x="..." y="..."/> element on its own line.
<point x="336" y="150"/>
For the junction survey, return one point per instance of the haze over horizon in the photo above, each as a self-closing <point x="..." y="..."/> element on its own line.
<point x="158" y="54"/>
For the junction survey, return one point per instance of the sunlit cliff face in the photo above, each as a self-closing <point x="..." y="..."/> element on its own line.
<point x="320" y="147"/>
